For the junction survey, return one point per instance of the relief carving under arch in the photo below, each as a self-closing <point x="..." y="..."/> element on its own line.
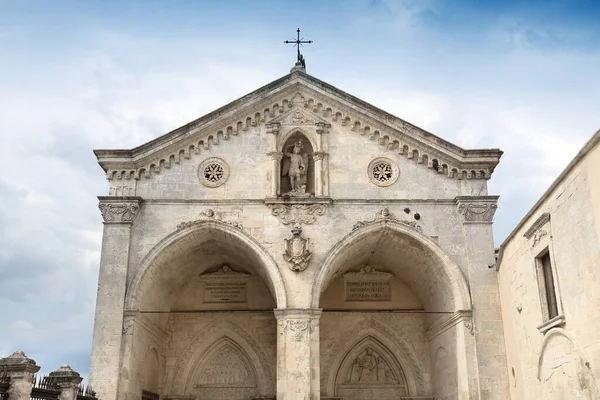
<point x="369" y="369"/>
<point x="395" y="346"/>
<point x="198" y="352"/>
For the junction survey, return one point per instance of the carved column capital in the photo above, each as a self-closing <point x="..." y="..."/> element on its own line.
<point x="273" y="127"/>
<point x="478" y="210"/>
<point x="322" y="127"/>
<point x="275" y="155"/>
<point x="296" y="325"/>
<point x="119" y="210"/>
<point x="319" y="155"/>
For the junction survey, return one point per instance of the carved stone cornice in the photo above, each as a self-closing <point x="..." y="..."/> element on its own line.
<point x="386" y="215"/>
<point x="131" y="318"/>
<point x="478" y="210"/>
<point x="297" y="214"/>
<point x="322" y="127"/>
<point x="444" y="323"/>
<point x="119" y="210"/>
<point x="209" y="216"/>
<point x="538" y="223"/>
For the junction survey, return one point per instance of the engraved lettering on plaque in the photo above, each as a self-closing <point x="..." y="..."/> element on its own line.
<point x="225" y="286"/>
<point x="368" y="285"/>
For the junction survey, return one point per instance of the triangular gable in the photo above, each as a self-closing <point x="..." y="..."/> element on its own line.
<point x="292" y="99"/>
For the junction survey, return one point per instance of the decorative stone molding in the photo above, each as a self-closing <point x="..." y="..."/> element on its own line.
<point x="536" y="233"/>
<point x="446" y="322"/>
<point x="297" y="250"/>
<point x="319" y="155"/>
<point x="208" y="216"/>
<point x="139" y="319"/>
<point x="261" y="107"/>
<point x="275" y="155"/>
<point x="558" y="321"/>
<point x="119" y="210"/>
<point x="383" y="172"/>
<point x="297" y="214"/>
<point x="477" y="209"/>
<point x="386" y="215"/>
<point x="295" y="325"/>
<point x="273" y="127"/>
<point x="213" y="172"/>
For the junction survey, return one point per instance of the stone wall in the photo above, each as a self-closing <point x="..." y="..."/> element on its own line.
<point x="555" y="358"/>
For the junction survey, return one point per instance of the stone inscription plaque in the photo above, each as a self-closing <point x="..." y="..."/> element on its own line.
<point x="225" y="292"/>
<point x="225" y="286"/>
<point x="368" y="291"/>
<point x="368" y="285"/>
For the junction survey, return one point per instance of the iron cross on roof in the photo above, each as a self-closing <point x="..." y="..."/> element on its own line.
<point x="298" y="42"/>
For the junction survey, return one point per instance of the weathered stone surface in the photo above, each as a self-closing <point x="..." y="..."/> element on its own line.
<point x="360" y="230"/>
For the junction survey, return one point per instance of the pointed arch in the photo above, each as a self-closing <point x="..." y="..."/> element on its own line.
<point x="372" y="332"/>
<point x="440" y="272"/>
<point x="205" y="346"/>
<point x="197" y="232"/>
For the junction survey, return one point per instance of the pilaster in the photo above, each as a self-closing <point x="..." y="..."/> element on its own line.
<point x="119" y="214"/>
<point x="298" y="371"/>
<point x="478" y="213"/>
<point x="20" y="369"/>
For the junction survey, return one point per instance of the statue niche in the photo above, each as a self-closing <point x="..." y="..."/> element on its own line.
<point x="297" y="167"/>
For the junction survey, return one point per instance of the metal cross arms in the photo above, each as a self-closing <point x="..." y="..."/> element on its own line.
<point x="298" y="42"/>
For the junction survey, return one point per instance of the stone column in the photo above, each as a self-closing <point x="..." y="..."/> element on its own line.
<point x="298" y="372"/>
<point x="20" y="370"/>
<point x="322" y="131"/>
<point x="119" y="214"/>
<point x="67" y="381"/>
<point x="478" y="213"/>
<point x="272" y="133"/>
<point x="275" y="168"/>
<point x="318" y="156"/>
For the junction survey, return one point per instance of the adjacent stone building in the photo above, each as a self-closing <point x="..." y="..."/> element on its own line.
<point x="299" y="243"/>
<point x="549" y="279"/>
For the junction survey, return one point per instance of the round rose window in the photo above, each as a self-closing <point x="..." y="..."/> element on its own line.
<point x="213" y="172"/>
<point x="382" y="171"/>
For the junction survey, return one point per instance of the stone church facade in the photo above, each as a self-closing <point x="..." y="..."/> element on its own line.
<point x="298" y="243"/>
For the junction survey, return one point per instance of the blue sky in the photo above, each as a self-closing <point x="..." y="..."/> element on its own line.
<point x="521" y="76"/>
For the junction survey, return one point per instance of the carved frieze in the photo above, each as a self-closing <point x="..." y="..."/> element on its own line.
<point x="118" y="210"/>
<point x="386" y="215"/>
<point x="298" y="214"/>
<point x="477" y="209"/>
<point x="209" y="215"/>
<point x="297" y="250"/>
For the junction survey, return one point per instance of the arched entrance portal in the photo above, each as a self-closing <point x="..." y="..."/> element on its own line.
<point x="384" y="289"/>
<point x="203" y="299"/>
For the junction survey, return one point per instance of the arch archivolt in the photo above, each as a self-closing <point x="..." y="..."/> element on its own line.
<point x="268" y="268"/>
<point x="563" y="368"/>
<point x="371" y="332"/>
<point x="207" y="343"/>
<point x="447" y="274"/>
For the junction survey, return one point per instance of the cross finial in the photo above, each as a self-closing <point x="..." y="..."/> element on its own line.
<point x="298" y="42"/>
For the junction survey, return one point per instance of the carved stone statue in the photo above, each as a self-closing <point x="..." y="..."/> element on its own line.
<point x="369" y="368"/>
<point x="296" y="167"/>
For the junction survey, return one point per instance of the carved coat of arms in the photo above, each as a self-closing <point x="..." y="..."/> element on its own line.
<point x="297" y="250"/>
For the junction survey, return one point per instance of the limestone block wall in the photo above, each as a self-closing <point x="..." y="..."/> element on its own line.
<point x="561" y="361"/>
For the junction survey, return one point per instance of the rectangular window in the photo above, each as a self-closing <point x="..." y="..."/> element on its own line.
<point x="551" y="303"/>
